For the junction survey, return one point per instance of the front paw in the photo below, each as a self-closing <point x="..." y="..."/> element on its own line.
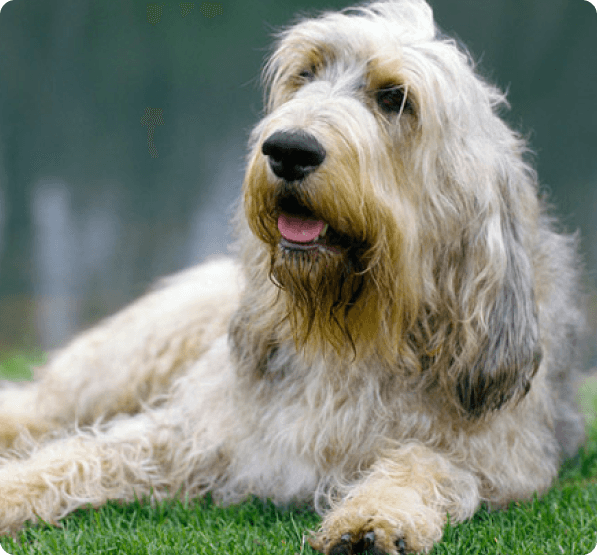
<point x="365" y="538"/>
<point x="350" y="545"/>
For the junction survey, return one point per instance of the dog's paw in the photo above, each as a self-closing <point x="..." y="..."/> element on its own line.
<point x="370" y="538"/>
<point x="366" y="545"/>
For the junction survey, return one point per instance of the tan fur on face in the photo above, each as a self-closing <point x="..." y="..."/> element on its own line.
<point x="417" y="361"/>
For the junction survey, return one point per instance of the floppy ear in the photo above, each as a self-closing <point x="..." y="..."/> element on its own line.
<point x="498" y="344"/>
<point x="508" y="352"/>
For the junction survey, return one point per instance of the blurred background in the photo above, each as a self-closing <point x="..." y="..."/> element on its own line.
<point x="123" y="127"/>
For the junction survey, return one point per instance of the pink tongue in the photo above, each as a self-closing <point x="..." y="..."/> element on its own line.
<point x="299" y="230"/>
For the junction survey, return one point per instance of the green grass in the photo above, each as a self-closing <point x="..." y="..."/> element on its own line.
<point x="563" y="522"/>
<point x="171" y="527"/>
<point x="17" y="366"/>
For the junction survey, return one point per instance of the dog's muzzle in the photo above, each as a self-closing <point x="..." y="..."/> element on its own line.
<point x="292" y="156"/>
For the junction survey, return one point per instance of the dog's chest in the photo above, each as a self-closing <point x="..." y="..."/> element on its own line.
<point x="300" y="424"/>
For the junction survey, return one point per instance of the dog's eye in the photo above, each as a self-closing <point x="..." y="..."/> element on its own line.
<point x="395" y="100"/>
<point x="307" y="74"/>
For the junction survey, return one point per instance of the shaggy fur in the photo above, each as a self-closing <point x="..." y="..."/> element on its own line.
<point x="396" y="340"/>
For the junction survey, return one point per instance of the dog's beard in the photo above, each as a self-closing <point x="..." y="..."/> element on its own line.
<point x="321" y="289"/>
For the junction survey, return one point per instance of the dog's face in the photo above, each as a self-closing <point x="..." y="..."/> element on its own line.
<point x="391" y="199"/>
<point x="327" y="189"/>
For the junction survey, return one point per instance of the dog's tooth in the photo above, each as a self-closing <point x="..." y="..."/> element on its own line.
<point x="324" y="230"/>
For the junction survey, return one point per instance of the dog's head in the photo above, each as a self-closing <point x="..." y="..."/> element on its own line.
<point x="392" y="206"/>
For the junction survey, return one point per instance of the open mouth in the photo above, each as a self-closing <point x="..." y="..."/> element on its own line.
<point x="301" y="233"/>
<point x="302" y="230"/>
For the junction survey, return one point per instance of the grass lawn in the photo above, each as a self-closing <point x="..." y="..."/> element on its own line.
<point x="563" y="522"/>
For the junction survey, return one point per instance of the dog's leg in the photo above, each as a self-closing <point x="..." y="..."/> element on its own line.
<point x="400" y="506"/>
<point x="127" y="359"/>
<point x="137" y="456"/>
<point x="184" y="445"/>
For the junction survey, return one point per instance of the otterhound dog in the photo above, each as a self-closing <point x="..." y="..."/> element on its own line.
<point x="395" y="342"/>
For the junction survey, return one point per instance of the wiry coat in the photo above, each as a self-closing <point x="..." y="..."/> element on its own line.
<point x="414" y="359"/>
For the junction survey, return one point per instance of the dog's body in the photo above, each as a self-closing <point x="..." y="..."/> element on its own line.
<point x="412" y="354"/>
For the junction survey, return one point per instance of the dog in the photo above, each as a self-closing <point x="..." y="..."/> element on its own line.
<point x="395" y="339"/>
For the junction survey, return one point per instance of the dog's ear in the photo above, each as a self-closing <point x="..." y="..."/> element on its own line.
<point x="508" y="352"/>
<point x="498" y="327"/>
<point x="481" y="328"/>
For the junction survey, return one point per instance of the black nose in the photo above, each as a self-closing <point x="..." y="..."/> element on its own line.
<point x="293" y="155"/>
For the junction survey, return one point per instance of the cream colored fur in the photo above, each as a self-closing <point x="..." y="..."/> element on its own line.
<point x="415" y="362"/>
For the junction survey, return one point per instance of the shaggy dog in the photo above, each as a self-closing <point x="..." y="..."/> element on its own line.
<point x="395" y="341"/>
